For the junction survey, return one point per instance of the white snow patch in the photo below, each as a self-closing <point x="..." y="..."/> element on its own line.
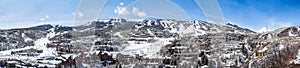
<point x="264" y="49"/>
<point x="291" y="34"/>
<point x="186" y="30"/>
<point x="8" y="52"/>
<point x="150" y="32"/>
<point x="42" y="44"/>
<point x="85" y="30"/>
<point x="119" y="34"/>
<point x="281" y="46"/>
<point x="146" y="49"/>
<point x="297" y="60"/>
<point x="262" y="30"/>
<point x="26" y="38"/>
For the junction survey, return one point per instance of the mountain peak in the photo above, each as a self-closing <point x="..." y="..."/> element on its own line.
<point x="263" y="29"/>
<point x="43" y="27"/>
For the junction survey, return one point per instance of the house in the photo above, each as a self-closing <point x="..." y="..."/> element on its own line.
<point x="262" y="51"/>
<point x="69" y="60"/>
<point x="11" y="63"/>
<point x="106" y="58"/>
<point x="295" y="64"/>
<point x="2" y="63"/>
<point x="168" y="61"/>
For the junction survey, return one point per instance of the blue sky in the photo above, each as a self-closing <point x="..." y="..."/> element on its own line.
<point x="255" y="14"/>
<point x="252" y="14"/>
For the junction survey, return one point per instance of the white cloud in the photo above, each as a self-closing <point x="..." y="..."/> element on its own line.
<point x="44" y="18"/>
<point x="134" y="10"/>
<point x="137" y="12"/>
<point x="141" y="14"/>
<point x="80" y="14"/>
<point x="122" y="3"/>
<point x="121" y="10"/>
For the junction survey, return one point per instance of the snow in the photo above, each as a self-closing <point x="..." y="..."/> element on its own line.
<point x="12" y="62"/>
<point x="105" y="20"/>
<point x="136" y="26"/>
<point x="149" y="23"/>
<point x="73" y="56"/>
<point x="51" y="61"/>
<point x="91" y="51"/>
<point x="74" y="30"/>
<point x="231" y="23"/>
<point x="166" y="23"/>
<point x="89" y="23"/>
<point x="171" y="66"/>
<point x="205" y="66"/>
<point x="48" y="65"/>
<point x="281" y="46"/>
<point x="116" y="20"/>
<point x="150" y="32"/>
<point x="119" y="35"/>
<point x="66" y="55"/>
<point x="85" y="65"/>
<point x="143" y="48"/>
<point x="196" y="28"/>
<point x="173" y="30"/>
<point x="186" y="30"/>
<point x="61" y="58"/>
<point x="180" y="47"/>
<point x="297" y="60"/>
<point x="51" y="34"/>
<point x="263" y="50"/>
<point x="146" y="49"/>
<point x="200" y="32"/>
<point x="8" y="52"/>
<point x="262" y="30"/>
<point x="85" y="30"/>
<point x="42" y="44"/>
<point x="269" y="36"/>
<point x="291" y="34"/>
<point x="26" y="39"/>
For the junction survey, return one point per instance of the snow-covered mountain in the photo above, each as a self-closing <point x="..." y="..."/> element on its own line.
<point x="149" y="39"/>
<point x="281" y="32"/>
<point x="118" y="28"/>
<point x="18" y="38"/>
<point x="262" y="30"/>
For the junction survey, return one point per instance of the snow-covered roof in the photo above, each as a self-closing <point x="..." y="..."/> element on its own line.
<point x="168" y="57"/>
<point x="179" y="47"/>
<point x="263" y="50"/>
<point x="73" y="56"/>
<point x="106" y="53"/>
<point x="61" y="58"/>
<point x="10" y="62"/>
<point x="66" y="55"/>
<point x="51" y="61"/>
<point x="85" y="65"/>
<point x="48" y="65"/>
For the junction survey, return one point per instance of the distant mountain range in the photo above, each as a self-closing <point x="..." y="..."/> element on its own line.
<point x="154" y="25"/>
<point x="152" y="37"/>
<point x="126" y="28"/>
